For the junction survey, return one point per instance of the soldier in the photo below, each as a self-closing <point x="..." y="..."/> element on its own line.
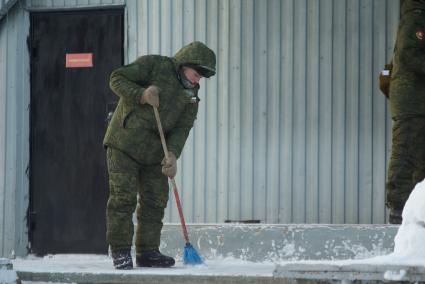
<point x="136" y="163"/>
<point x="407" y="99"/>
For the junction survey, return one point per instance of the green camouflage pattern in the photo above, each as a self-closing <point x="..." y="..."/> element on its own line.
<point x="127" y="178"/>
<point x="409" y="5"/>
<point x="134" y="150"/>
<point x="407" y="166"/>
<point x="407" y="91"/>
<point x="133" y="127"/>
<point x="407" y="99"/>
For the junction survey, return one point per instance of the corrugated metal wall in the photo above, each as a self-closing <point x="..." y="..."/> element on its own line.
<point x="293" y="127"/>
<point x="5" y="6"/>
<point x="14" y="132"/>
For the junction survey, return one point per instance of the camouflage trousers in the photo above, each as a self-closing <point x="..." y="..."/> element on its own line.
<point x="128" y="180"/>
<point x="407" y="164"/>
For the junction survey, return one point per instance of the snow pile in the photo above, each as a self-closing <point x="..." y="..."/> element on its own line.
<point x="397" y="275"/>
<point x="409" y="241"/>
<point x="7" y="275"/>
<point x="409" y="249"/>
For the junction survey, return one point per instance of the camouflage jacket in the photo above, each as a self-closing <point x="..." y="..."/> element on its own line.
<point x="133" y="127"/>
<point x="407" y="92"/>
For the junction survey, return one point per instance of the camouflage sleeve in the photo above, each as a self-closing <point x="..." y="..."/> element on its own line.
<point x="128" y="81"/>
<point x="176" y="138"/>
<point x="411" y="45"/>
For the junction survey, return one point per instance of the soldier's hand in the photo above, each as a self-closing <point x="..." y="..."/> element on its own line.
<point x="169" y="166"/>
<point x="151" y="96"/>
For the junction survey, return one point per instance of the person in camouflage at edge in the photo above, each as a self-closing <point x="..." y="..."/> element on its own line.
<point x="407" y="99"/>
<point x="135" y="159"/>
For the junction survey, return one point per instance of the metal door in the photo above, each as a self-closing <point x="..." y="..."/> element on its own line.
<point x="72" y="55"/>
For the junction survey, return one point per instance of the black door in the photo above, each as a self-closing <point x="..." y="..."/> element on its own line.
<point x="72" y="55"/>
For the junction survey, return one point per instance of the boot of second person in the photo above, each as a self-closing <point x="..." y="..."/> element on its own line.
<point x="395" y="216"/>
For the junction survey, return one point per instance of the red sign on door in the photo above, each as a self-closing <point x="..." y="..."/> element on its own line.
<point x="78" y="60"/>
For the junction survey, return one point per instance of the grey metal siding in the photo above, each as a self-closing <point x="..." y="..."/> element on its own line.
<point x="293" y="128"/>
<point x="14" y="132"/>
<point x="5" y="5"/>
<point x="3" y="88"/>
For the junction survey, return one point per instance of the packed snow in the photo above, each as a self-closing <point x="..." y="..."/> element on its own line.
<point x="8" y="276"/>
<point x="410" y="238"/>
<point x="103" y="265"/>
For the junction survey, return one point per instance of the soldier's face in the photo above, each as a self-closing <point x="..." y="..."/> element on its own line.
<point x="192" y="75"/>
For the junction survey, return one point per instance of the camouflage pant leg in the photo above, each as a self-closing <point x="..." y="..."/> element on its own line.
<point x="153" y="198"/>
<point x="123" y="184"/>
<point x="407" y="164"/>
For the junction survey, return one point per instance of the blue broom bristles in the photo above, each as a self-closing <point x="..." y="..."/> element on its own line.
<point x="191" y="256"/>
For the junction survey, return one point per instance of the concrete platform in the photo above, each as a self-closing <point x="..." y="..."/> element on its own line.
<point x="359" y="273"/>
<point x="275" y="243"/>
<point x="237" y="253"/>
<point x="161" y="279"/>
<point x="98" y="269"/>
<point x="7" y="274"/>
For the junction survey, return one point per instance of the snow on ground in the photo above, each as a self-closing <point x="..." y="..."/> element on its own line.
<point x="8" y="276"/>
<point x="103" y="265"/>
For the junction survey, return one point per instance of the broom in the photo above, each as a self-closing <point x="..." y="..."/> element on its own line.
<point x="190" y="255"/>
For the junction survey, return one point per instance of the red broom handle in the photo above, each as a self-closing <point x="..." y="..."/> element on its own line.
<point x="179" y="207"/>
<point x="176" y="193"/>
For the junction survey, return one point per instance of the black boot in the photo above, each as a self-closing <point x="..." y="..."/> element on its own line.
<point x="153" y="258"/>
<point x="395" y="216"/>
<point x="122" y="259"/>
